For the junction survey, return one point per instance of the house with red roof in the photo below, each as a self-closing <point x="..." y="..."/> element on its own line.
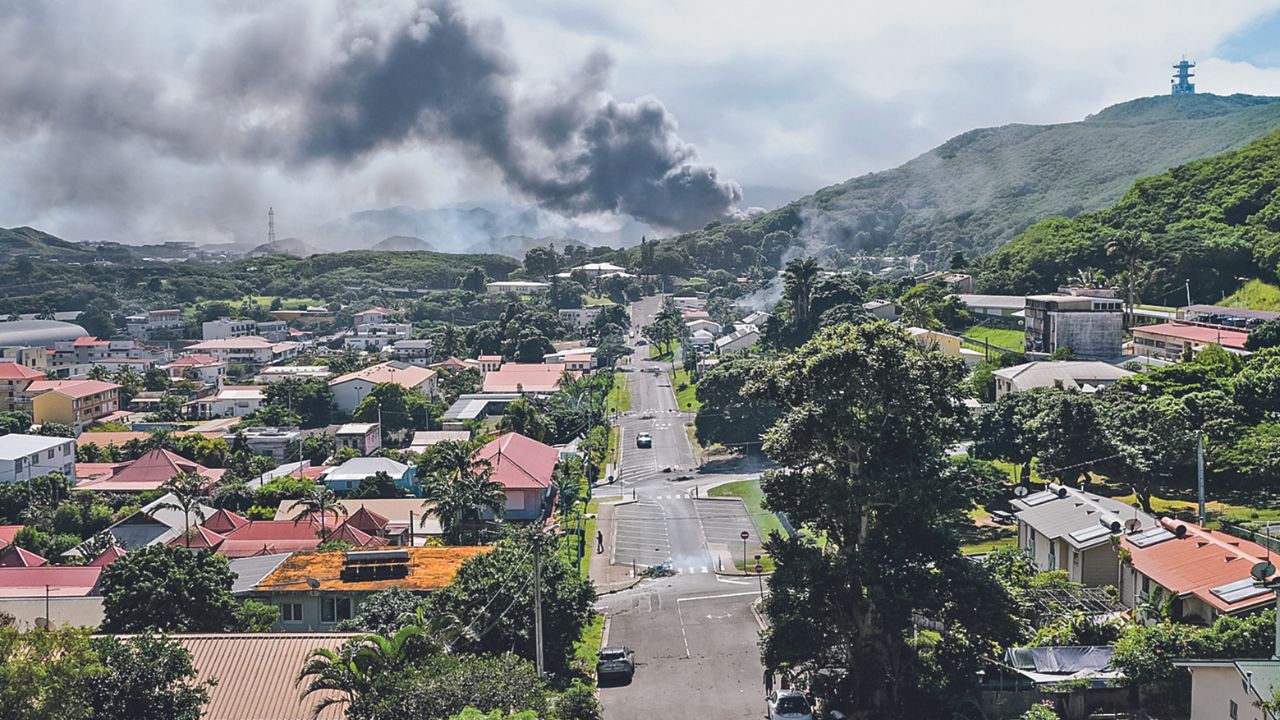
<point x="8" y="533"/>
<point x="270" y="537"/>
<point x="523" y="466"/>
<point x="350" y="389"/>
<point x="15" y="556"/>
<point x="108" y="556"/>
<point x="14" y="379"/>
<point x="1169" y="341"/>
<point x="78" y="403"/>
<point x="526" y="378"/>
<point x="149" y="472"/>
<point x="1206" y="573"/>
<point x="202" y="367"/>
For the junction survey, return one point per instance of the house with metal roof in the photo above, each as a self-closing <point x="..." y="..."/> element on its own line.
<point x="155" y="522"/>
<point x="1083" y="375"/>
<point x="348" y="476"/>
<point x="149" y="472"/>
<point x="1069" y="529"/>
<point x="23" y="457"/>
<point x="523" y="466"/>
<point x="350" y="389"/>
<point x="1205" y="573"/>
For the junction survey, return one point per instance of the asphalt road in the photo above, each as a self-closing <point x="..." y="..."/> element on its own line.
<point x="694" y="634"/>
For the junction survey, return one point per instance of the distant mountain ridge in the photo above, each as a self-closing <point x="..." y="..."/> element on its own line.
<point x="978" y="190"/>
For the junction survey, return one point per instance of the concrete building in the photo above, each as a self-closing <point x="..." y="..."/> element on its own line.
<point x="251" y="350"/>
<point x="78" y="403"/>
<point x="32" y="356"/>
<point x="949" y="345"/>
<point x="199" y="367"/>
<point x="1090" y="325"/>
<point x="268" y="375"/>
<point x="230" y="401"/>
<point x="24" y="457"/>
<point x="272" y="441"/>
<point x="364" y="438"/>
<point x="882" y="309"/>
<point x="1083" y="375"/>
<point x="224" y="328"/>
<point x="349" y="389"/>
<point x="955" y="282"/>
<point x="1233" y="689"/>
<point x="376" y="337"/>
<point x="520" y="287"/>
<point x="144" y="325"/>
<point x="740" y="340"/>
<point x="415" y="352"/>
<point x="1172" y="341"/>
<point x="372" y="316"/>
<point x="347" y="476"/>
<point x="14" y="379"/>
<point x="579" y="317"/>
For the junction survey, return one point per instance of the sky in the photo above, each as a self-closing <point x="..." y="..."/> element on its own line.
<point x="144" y="121"/>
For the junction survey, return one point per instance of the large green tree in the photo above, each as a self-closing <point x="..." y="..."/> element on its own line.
<point x="726" y="415"/>
<point x="148" y="677"/>
<point x="399" y="408"/>
<point x="867" y="419"/>
<point x="312" y="400"/>
<point x="168" y="588"/>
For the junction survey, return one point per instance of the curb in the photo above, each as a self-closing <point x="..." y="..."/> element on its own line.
<point x="613" y="533"/>
<point x="758" y="614"/>
<point x="619" y="588"/>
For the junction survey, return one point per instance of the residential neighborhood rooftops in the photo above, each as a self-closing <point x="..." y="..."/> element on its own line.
<point x="1196" y="334"/>
<point x="524" y="377"/>
<point x="53" y="580"/>
<point x="1081" y="518"/>
<point x="244" y="342"/>
<point x="396" y="511"/>
<point x="250" y="571"/>
<point x="1212" y="566"/>
<point x="8" y="532"/>
<point x="195" y="360"/>
<point x="16" y="371"/>
<point x="519" y="462"/>
<point x="16" y="445"/>
<point x="71" y="388"/>
<point x="429" y="569"/>
<point x="359" y="468"/>
<point x="148" y="472"/>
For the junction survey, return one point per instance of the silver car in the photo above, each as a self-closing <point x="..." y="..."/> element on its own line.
<point x="616" y="662"/>
<point x="789" y="705"/>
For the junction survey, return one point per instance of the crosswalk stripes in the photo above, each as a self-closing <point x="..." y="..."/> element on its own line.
<point x="703" y="570"/>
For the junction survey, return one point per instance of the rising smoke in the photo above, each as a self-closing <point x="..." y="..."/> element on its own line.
<point x="301" y="90"/>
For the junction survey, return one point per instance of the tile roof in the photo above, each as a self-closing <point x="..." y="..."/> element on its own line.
<point x="396" y="511"/>
<point x="198" y="537"/>
<point x="88" y="341"/>
<point x="1196" y="334"/>
<point x="1197" y="561"/>
<point x="355" y="536"/>
<point x="519" y="462"/>
<point x="255" y="674"/>
<point x="223" y="521"/>
<point x="15" y="371"/>
<point x="266" y="537"/>
<point x="7" y="533"/>
<point x="404" y="374"/>
<point x="108" y="556"/>
<point x="429" y="569"/>
<point x="71" y="388"/>
<point x="56" y="580"/>
<point x="15" y="556"/>
<point x="148" y="472"/>
<point x="366" y="520"/>
<point x="195" y="360"/>
<point x="525" y="377"/>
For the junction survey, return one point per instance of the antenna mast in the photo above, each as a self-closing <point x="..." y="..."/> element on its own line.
<point x="271" y="225"/>
<point x="1181" y="83"/>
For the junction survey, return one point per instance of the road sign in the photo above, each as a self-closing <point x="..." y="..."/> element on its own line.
<point x="759" y="568"/>
<point x="745" y="534"/>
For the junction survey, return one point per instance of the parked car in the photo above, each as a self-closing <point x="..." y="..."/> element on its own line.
<point x="644" y="440"/>
<point x="789" y="705"/>
<point x="616" y="662"/>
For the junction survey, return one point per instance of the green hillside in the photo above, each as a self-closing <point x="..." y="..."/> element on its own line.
<point x="1211" y="223"/>
<point x="980" y="189"/>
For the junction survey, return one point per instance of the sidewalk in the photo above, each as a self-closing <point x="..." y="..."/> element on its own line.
<point x="607" y="577"/>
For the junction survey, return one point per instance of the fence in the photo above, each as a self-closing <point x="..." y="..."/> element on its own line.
<point x="1267" y="540"/>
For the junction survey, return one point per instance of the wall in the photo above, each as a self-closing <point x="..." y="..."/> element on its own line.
<point x="1213" y="689"/>
<point x="1089" y="334"/>
<point x="64" y="611"/>
<point x="1099" y="566"/>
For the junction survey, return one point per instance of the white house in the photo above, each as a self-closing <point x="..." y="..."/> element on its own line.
<point x="248" y="350"/>
<point x="746" y="336"/>
<point x="520" y="287"/>
<point x="600" y="269"/>
<point x="1231" y="688"/>
<point x="230" y="401"/>
<point x="375" y="337"/>
<point x="701" y="338"/>
<point x="1083" y="375"/>
<point x="277" y="373"/>
<point x="24" y="457"/>
<point x="577" y="317"/>
<point x="205" y="368"/>
<point x="372" y="316"/>
<point x="142" y="325"/>
<point x="703" y="324"/>
<point x="349" y="389"/>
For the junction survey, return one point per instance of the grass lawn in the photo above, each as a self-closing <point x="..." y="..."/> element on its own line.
<point x="981" y="547"/>
<point x="615" y="437"/>
<point x="656" y="353"/>
<point x="286" y="303"/>
<point x="590" y="301"/>
<point x="752" y="496"/>
<point x="619" y="398"/>
<point x="686" y="398"/>
<point x="1255" y="295"/>
<point x="587" y="650"/>
<point x="589" y="535"/>
<point x="999" y="338"/>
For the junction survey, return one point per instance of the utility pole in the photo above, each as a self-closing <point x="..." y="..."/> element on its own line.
<point x="1188" y="291"/>
<point x="1200" y="474"/>
<point x="537" y="603"/>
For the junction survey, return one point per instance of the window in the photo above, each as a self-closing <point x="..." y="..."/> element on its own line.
<point x="335" y="609"/>
<point x="1233" y="710"/>
<point x="291" y="612"/>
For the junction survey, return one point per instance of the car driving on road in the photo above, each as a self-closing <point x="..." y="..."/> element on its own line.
<point x="789" y="705"/>
<point x="616" y="662"/>
<point x="644" y="440"/>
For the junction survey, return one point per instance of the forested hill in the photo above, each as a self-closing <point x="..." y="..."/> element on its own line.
<point x="978" y="190"/>
<point x="1209" y="222"/>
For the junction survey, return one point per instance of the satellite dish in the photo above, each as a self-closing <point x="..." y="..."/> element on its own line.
<point x="1133" y="525"/>
<point x="42" y="623"/>
<point x="313" y="583"/>
<point x="1262" y="571"/>
<point x="1021" y="491"/>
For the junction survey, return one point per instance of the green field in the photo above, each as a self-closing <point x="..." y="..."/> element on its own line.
<point x="1254" y="295"/>
<point x="587" y="650"/>
<point x="591" y="301"/>
<point x="619" y="398"/>
<point x="686" y="398"/>
<point x="286" y="303"/>
<point x="998" y="338"/>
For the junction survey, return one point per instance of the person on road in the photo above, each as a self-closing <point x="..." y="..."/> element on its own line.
<point x="768" y="683"/>
<point x="599" y="542"/>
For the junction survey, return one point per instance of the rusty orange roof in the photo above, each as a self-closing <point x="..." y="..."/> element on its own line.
<point x="430" y="568"/>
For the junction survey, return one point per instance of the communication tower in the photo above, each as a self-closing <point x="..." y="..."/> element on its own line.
<point x="271" y="225"/>
<point x="1181" y="82"/>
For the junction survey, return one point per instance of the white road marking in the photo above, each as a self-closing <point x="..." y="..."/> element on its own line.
<point x="714" y="597"/>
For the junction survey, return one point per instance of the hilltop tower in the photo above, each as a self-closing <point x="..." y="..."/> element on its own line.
<point x="271" y="225"/>
<point x="1181" y="82"/>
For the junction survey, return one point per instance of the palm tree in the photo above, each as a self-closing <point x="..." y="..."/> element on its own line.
<point x="459" y="501"/>
<point x="523" y="417"/>
<point x="566" y="480"/>
<point x="1130" y="247"/>
<point x="320" y="500"/>
<point x="99" y="372"/>
<point x="340" y="674"/>
<point x="186" y="488"/>
<point x="450" y="340"/>
<point x="799" y="278"/>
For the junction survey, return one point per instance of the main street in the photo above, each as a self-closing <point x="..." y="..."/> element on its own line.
<point x="694" y="633"/>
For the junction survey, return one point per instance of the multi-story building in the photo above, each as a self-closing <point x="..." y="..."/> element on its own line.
<point x="372" y="316"/>
<point x="375" y="337"/>
<point x="35" y="357"/>
<point x="1173" y="341"/>
<point x="201" y="368"/>
<point x="224" y="328"/>
<point x="349" y="389"/>
<point x="77" y="403"/>
<point x="1088" y="322"/>
<point x="273" y="441"/>
<point x="143" y="325"/>
<point x="77" y="357"/>
<point x="14" y="379"/>
<point x="415" y="352"/>
<point x="249" y="350"/>
<point x="230" y="401"/>
<point x="364" y="438"/>
<point x="578" y="317"/>
<point x="24" y="457"/>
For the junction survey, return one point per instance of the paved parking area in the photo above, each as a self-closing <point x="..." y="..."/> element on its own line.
<point x="641" y="534"/>
<point x="723" y="522"/>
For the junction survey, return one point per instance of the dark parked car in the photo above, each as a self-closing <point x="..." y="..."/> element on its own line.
<point x="616" y="662"/>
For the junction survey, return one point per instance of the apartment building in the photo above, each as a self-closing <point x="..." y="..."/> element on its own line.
<point x="25" y="457"/>
<point x="78" y="403"/>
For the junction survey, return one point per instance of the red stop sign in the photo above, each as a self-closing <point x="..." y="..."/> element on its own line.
<point x="759" y="568"/>
<point x="745" y="534"/>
